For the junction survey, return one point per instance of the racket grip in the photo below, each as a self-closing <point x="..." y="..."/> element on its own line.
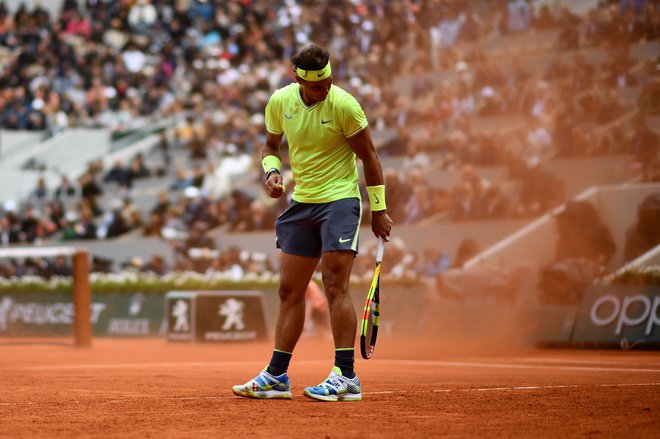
<point x="380" y="249"/>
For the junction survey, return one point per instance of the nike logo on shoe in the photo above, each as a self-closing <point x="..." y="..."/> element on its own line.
<point x="342" y="240"/>
<point x="326" y="121"/>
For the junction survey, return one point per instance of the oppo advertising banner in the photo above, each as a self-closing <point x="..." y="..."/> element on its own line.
<point x="619" y="314"/>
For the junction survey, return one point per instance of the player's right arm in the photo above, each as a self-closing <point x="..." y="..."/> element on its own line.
<point x="274" y="133"/>
<point x="274" y="183"/>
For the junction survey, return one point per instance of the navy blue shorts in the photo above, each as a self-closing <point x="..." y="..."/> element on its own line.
<point x="306" y="229"/>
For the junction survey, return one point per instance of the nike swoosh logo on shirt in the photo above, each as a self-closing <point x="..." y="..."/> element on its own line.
<point x="286" y="116"/>
<point x="326" y="121"/>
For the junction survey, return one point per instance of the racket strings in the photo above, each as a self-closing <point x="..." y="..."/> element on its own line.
<point x="371" y="322"/>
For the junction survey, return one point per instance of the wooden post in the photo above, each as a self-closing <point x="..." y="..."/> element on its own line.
<point x="82" y="300"/>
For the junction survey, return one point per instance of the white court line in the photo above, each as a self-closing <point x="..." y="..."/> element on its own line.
<point x="149" y="365"/>
<point x="514" y="388"/>
<point x="516" y="366"/>
<point x="397" y="362"/>
<point x="135" y="398"/>
<point x="560" y="386"/>
<point x="569" y="361"/>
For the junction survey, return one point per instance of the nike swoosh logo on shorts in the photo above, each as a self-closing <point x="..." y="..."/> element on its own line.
<point x="342" y="240"/>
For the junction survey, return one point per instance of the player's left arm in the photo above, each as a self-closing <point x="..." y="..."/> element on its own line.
<point x="363" y="146"/>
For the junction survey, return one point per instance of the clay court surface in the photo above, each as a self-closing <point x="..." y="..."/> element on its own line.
<point x="154" y="388"/>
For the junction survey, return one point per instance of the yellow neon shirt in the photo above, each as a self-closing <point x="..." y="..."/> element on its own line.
<point x="323" y="164"/>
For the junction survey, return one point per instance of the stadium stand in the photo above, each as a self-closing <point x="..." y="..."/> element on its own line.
<point x="498" y="112"/>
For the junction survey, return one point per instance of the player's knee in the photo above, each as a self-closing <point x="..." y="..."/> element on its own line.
<point x="335" y="289"/>
<point x="291" y="295"/>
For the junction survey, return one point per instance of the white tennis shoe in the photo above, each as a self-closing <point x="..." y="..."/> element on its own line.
<point x="265" y="386"/>
<point x="336" y="388"/>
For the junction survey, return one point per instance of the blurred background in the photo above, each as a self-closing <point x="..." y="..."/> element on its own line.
<point x="519" y="138"/>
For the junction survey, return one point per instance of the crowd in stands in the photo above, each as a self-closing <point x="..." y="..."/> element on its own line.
<point x="123" y="64"/>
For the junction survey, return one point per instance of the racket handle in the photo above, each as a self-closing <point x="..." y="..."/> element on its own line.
<point x="380" y="249"/>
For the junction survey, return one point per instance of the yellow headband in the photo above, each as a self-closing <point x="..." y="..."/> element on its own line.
<point x="315" y="75"/>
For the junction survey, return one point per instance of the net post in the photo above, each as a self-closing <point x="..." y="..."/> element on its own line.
<point x="82" y="300"/>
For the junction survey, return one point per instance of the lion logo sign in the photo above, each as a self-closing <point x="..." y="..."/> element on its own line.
<point x="232" y="311"/>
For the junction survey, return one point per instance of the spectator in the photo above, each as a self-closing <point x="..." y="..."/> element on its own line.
<point x="519" y="15"/>
<point x="156" y="265"/>
<point x="581" y="233"/>
<point x="65" y="189"/>
<point x="60" y="267"/>
<point x="138" y="169"/>
<point x="466" y="250"/>
<point x="651" y="24"/>
<point x="539" y="191"/>
<point x="90" y="191"/>
<point x="117" y="223"/>
<point x="30" y="227"/>
<point x="544" y="20"/>
<point x="537" y="140"/>
<point x="644" y="145"/>
<point x="260" y="218"/>
<point x="644" y="234"/>
<point x="41" y="191"/>
<point x="495" y="204"/>
<point x="133" y="58"/>
<point x="142" y="16"/>
<point x="433" y="262"/>
<point x="120" y="175"/>
<point x="197" y="240"/>
<point x="583" y="250"/>
<point x="649" y="97"/>
<point x="79" y="25"/>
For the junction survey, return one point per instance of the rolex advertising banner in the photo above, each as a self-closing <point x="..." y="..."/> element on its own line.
<point x="130" y="314"/>
<point x="216" y="316"/>
<point x="619" y="314"/>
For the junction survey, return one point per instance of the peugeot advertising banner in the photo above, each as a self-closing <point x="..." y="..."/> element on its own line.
<point x="112" y="314"/>
<point x="216" y="316"/>
<point x="619" y="314"/>
<point x="179" y="309"/>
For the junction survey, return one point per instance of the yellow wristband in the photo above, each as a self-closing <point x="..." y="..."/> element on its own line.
<point x="377" y="197"/>
<point x="271" y="162"/>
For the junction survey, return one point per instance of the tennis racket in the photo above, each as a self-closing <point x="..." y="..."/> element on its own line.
<point x="369" y="328"/>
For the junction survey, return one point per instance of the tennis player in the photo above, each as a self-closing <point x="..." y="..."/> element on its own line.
<point x="326" y="129"/>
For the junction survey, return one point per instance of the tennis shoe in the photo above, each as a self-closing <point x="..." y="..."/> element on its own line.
<point x="336" y="388"/>
<point x="265" y="386"/>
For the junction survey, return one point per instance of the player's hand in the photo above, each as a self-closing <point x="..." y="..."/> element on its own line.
<point x="275" y="185"/>
<point x="381" y="224"/>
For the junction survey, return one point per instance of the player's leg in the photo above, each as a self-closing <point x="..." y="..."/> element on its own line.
<point x="336" y="269"/>
<point x="301" y="248"/>
<point x="273" y="382"/>
<point x="295" y="274"/>
<point x="340" y="237"/>
<point x="342" y="384"/>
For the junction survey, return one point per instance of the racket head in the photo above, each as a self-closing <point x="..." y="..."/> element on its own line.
<point x="370" y="317"/>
